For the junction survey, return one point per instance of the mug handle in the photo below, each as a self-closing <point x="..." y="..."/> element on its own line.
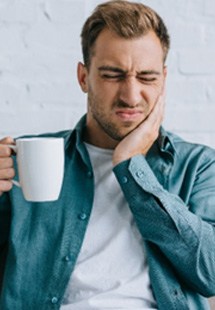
<point x="14" y="148"/>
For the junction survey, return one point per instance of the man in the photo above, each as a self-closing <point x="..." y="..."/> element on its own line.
<point x="133" y="227"/>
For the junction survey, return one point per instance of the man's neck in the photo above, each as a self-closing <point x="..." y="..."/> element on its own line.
<point x="101" y="140"/>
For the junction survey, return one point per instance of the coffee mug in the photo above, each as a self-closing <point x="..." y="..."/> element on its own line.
<point x="40" y="167"/>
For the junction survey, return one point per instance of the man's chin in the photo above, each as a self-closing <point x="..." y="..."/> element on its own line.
<point x="129" y="128"/>
<point x="120" y="135"/>
<point x="118" y="131"/>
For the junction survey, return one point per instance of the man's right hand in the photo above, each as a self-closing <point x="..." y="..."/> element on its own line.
<point x="6" y="165"/>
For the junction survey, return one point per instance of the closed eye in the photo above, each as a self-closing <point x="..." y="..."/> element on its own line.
<point x="147" y="80"/>
<point x="112" y="73"/>
<point x="113" y="76"/>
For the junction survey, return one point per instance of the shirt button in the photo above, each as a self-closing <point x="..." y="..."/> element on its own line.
<point x="67" y="258"/>
<point x="89" y="174"/>
<point x="124" y="180"/>
<point x="82" y="216"/>
<point x="54" y="300"/>
<point x="140" y="174"/>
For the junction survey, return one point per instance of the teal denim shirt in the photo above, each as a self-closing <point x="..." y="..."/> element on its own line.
<point x="171" y="193"/>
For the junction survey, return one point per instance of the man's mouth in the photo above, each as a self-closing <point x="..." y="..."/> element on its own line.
<point x="128" y="114"/>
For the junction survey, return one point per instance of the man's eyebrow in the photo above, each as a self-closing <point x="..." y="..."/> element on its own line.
<point x="118" y="70"/>
<point x="112" y="69"/>
<point x="149" y="72"/>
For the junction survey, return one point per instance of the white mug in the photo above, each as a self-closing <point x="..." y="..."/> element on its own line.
<point x="40" y="167"/>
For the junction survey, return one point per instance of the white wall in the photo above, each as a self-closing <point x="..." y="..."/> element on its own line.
<point x="40" y="46"/>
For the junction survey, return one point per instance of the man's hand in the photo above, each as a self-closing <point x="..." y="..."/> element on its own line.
<point x="6" y="165"/>
<point x="141" y="139"/>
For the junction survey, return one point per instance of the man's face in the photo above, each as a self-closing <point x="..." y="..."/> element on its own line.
<point x="123" y="83"/>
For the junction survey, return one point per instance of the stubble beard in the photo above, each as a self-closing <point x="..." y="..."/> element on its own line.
<point x="110" y="128"/>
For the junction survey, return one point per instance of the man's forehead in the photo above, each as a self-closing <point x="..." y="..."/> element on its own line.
<point x="137" y="54"/>
<point x="109" y="40"/>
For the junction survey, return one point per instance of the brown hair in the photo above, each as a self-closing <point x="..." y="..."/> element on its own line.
<point x="127" y="19"/>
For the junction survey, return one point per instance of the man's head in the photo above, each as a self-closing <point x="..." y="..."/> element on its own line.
<point x="125" y="45"/>
<point x="127" y="20"/>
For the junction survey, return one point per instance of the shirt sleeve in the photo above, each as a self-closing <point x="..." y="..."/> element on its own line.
<point x="185" y="238"/>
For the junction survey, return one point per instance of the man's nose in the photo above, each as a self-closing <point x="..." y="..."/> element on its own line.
<point x="130" y="92"/>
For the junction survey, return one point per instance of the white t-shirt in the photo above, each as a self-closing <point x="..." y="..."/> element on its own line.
<point x="111" y="271"/>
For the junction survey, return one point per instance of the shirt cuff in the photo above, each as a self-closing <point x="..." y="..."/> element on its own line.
<point x="138" y="169"/>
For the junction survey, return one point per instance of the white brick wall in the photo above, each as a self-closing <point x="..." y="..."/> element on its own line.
<point x="40" y="47"/>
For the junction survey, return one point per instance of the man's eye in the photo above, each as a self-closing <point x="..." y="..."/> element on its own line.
<point x="112" y="77"/>
<point x="147" y="80"/>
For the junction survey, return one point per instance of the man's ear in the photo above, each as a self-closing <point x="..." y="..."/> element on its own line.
<point x="164" y="81"/>
<point x="165" y="71"/>
<point x="82" y="74"/>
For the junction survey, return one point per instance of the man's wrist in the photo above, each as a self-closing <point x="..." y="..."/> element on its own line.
<point x="117" y="159"/>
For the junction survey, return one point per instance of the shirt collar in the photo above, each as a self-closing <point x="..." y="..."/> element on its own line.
<point x="166" y="142"/>
<point x="165" y="139"/>
<point x="75" y="138"/>
<point x="76" y="135"/>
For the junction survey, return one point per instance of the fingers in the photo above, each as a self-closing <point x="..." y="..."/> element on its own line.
<point x="6" y="162"/>
<point x="6" y="174"/>
<point x="140" y="140"/>
<point x="5" y="186"/>
<point x="5" y="151"/>
<point x="149" y="129"/>
<point x="159" y="109"/>
<point x="6" y="165"/>
<point x="160" y="104"/>
<point x="156" y="116"/>
<point x="7" y="140"/>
